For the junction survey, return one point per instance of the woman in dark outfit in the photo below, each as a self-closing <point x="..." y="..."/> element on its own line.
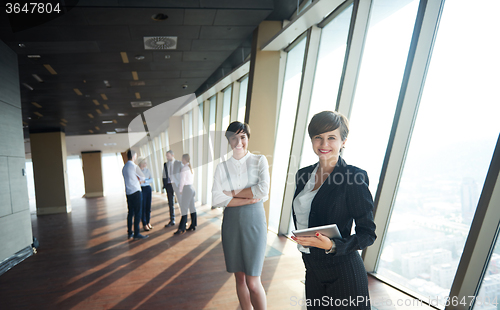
<point x="332" y="192"/>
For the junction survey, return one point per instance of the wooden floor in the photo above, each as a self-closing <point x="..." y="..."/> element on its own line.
<point x="86" y="262"/>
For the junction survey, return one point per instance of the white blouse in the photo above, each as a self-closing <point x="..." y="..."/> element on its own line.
<point x="250" y="171"/>
<point x="302" y="205"/>
<point x="186" y="177"/>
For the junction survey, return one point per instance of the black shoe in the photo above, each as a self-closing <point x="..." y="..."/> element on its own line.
<point x="191" y="228"/>
<point x="139" y="236"/>
<point x="146" y="228"/>
<point x="130" y="236"/>
<point x="171" y="223"/>
<point x="179" y="232"/>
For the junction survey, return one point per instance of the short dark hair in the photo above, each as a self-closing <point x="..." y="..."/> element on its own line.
<point x="170" y="152"/>
<point x="328" y="121"/>
<point x="236" y="128"/>
<point x="130" y="154"/>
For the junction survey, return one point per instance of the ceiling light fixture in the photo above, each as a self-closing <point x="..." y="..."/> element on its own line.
<point x="27" y="86"/>
<point x="22" y="45"/>
<point x="38" y="114"/>
<point x="36" y="104"/>
<point x="121" y="129"/>
<point x="90" y="115"/>
<point x="167" y="56"/>
<point x="64" y="120"/>
<point x="34" y="56"/>
<point x="122" y="114"/>
<point x="135" y="76"/>
<point x="110" y="132"/>
<point x="97" y="128"/>
<point x="95" y="102"/>
<point x="107" y="84"/>
<point x="77" y="91"/>
<point x="39" y="79"/>
<point x="50" y="69"/>
<point x="137" y="83"/>
<point x="107" y="122"/>
<point x="124" y="57"/>
<point x="140" y="104"/>
<point x="104" y="96"/>
<point x="137" y="95"/>
<point x="91" y="131"/>
<point x="105" y="106"/>
<point x="159" y="17"/>
<point x="139" y="57"/>
<point x="98" y="111"/>
<point x="160" y="43"/>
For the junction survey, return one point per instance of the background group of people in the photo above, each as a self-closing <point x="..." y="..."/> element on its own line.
<point x="325" y="194"/>
<point x="177" y="180"/>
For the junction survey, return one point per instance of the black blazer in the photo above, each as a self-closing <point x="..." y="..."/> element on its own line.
<point x="176" y="171"/>
<point x="343" y="197"/>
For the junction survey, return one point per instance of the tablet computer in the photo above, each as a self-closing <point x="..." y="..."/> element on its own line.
<point x="331" y="231"/>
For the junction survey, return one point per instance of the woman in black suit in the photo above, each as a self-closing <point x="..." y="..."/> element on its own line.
<point x="332" y="192"/>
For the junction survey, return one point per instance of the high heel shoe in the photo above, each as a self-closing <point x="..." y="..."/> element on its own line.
<point x="146" y="228"/>
<point x="179" y="232"/>
<point x="150" y="226"/>
<point x="191" y="228"/>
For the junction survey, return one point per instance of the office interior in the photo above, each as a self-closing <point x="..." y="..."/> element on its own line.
<point x="417" y="80"/>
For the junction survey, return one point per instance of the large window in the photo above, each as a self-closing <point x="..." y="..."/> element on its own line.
<point x="286" y="124"/>
<point x="455" y="132"/>
<point x="226" y="117"/>
<point x="242" y="101"/>
<point x="329" y="68"/>
<point x="211" y="142"/>
<point x="378" y="85"/>
<point x="199" y="150"/>
<point x="489" y="292"/>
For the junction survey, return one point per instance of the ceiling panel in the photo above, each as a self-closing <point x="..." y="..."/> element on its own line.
<point x="240" y="17"/>
<point x="225" y="32"/>
<point x="199" y="17"/>
<point x="84" y="47"/>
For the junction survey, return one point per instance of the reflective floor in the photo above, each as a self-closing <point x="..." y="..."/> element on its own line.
<point x="86" y="262"/>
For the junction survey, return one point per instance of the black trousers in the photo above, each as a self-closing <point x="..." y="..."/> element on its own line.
<point x="170" y="197"/>
<point x="134" y="203"/>
<point x="146" y="204"/>
<point x="335" y="282"/>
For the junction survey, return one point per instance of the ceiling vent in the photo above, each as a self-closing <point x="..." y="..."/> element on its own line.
<point x="141" y="104"/>
<point x="121" y="129"/>
<point x="160" y="43"/>
<point x="137" y="83"/>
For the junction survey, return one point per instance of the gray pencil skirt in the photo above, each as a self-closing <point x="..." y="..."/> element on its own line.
<point x="244" y="238"/>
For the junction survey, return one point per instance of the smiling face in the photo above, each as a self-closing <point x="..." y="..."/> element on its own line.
<point x="327" y="145"/>
<point x="239" y="144"/>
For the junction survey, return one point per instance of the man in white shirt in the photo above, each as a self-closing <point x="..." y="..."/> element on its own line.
<point x="171" y="180"/>
<point x="133" y="182"/>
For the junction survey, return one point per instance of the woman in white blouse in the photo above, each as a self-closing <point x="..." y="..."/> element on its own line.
<point x="187" y="196"/>
<point x="241" y="185"/>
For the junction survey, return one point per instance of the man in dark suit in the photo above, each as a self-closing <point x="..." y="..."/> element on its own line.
<point x="171" y="180"/>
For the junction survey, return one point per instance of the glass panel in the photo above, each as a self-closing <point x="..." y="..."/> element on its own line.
<point x="286" y="125"/>
<point x="211" y="130"/>
<point x="242" y="102"/>
<point x="329" y="67"/>
<point x="75" y="176"/>
<point x="112" y="165"/>
<point x="379" y="82"/>
<point x="489" y="292"/>
<point x="226" y="117"/>
<point x="190" y="133"/>
<point x="200" y="151"/>
<point x="450" y="151"/>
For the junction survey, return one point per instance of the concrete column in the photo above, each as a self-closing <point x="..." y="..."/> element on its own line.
<point x="48" y="152"/>
<point x="15" y="219"/>
<point x="262" y="97"/>
<point x="92" y="173"/>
